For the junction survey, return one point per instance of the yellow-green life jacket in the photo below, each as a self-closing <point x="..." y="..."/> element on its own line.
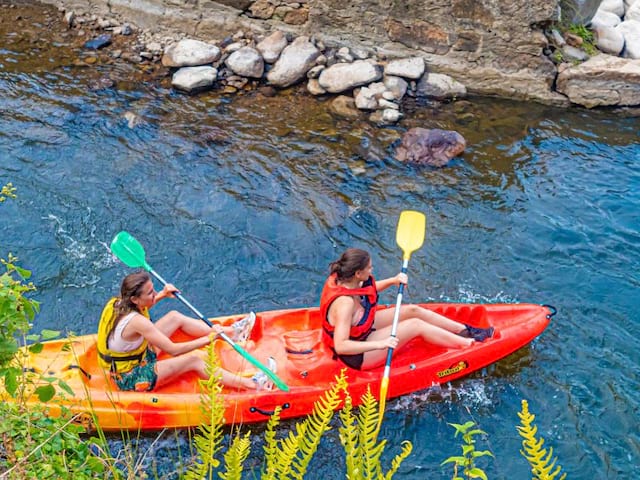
<point x="117" y="362"/>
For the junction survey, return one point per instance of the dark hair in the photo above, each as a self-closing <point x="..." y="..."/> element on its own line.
<point x="352" y="260"/>
<point x="131" y="287"/>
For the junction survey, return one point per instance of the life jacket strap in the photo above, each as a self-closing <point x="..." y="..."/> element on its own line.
<point x="112" y="360"/>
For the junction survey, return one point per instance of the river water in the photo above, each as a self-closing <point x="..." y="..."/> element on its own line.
<point x="243" y="201"/>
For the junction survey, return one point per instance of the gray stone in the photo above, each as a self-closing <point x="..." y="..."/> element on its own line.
<point x="189" y="53"/>
<point x="246" y="62"/>
<point x="574" y="54"/>
<point x="190" y="79"/>
<point x="396" y="87"/>
<point x="341" y="77"/>
<point x="608" y="39"/>
<point x="272" y="46"/>
<point x="314" y="88"/>
<point x="294" y="63"/>
<point x="406" y="67"/>
<point x="605" y="19"/>
<point x="385" y="117"/>
<point x="440" y="86"/>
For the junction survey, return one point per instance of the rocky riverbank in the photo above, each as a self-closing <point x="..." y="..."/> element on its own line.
<point x="361" y="77"/>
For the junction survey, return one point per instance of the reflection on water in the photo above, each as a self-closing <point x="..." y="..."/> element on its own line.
<point x="243" y="201"/>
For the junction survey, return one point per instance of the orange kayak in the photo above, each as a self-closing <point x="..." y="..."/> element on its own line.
<point x="294" y="338"/>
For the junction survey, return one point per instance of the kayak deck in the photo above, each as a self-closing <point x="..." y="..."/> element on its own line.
<point x="305" y="364"/>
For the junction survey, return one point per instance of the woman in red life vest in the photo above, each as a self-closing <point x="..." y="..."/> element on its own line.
<point x="359" y="334"/>
<point x="128" y="341"/>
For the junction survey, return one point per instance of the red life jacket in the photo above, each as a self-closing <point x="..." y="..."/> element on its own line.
<point x="369" y="300"/>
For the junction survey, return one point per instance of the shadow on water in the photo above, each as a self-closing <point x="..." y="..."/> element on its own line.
<point x="243" y="201"/>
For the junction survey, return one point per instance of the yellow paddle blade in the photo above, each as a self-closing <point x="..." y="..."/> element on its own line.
<point x="410" y="233"/>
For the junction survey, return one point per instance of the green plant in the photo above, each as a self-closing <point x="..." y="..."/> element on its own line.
<point x="17" y="311"/>
<point x="209" y="435"/>
<point x="466" y="461"/>
<point x="542" y="463"/>
<point x="359" y="437"/>
<point x="588" y="40"/>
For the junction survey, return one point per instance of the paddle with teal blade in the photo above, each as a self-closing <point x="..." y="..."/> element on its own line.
<point x="409" y="237"/>
<point x="132" y="254"/>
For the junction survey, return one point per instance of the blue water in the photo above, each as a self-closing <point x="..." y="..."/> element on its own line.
<point x="542" y="207"/>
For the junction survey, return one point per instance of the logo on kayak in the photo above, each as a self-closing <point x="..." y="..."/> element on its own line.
<point x="458" y="367"/>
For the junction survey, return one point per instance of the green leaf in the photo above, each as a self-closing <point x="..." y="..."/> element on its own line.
<point x="11" y="381"/>
<point x="8" y="346"/>
<point x="477" y="473"/>
<point x="49" y="334"/>
<point x="25" y="274"/>
<point x="36" y="348"/>
<point x="45" y="393"/>
<point x="65" y="386"/>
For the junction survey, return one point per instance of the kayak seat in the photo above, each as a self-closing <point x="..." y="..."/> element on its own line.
<point x="302" y="345"/>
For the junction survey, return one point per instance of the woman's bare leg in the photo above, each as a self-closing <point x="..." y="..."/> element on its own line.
<point x="172" y="321"/>
<point x="408" y="330"/>
<point x="385" y="318"/>
<point x="171" y="368"/>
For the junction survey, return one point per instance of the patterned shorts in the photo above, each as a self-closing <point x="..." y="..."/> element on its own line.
<point x="142" y="377"/>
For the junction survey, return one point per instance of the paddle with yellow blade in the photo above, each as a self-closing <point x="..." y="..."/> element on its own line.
<point x="409" y="237"/>
<point x="132" y="254"/>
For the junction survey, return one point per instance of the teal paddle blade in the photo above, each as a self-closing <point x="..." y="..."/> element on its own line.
<point x="129" y="251"/>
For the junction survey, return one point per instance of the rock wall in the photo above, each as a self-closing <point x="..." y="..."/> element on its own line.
<point x="493" y="47"/>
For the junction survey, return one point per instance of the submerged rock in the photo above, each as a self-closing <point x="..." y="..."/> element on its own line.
<point x="433" y="147"/>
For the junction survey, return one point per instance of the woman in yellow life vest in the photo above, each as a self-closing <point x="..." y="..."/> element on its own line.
<point x="128" y="342"/>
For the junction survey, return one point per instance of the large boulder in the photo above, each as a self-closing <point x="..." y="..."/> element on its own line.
<point x="433" y="147"/>
<point x="603" y="80"/>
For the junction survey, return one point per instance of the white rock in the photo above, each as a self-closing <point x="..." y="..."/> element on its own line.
<point x="314" y="88"/>
<point x="605" y="19"/>
<point x="441" y="86"/>
<point x="633" y="13"/>
<point x="613" y="6"/>
<point x="396" y="86"/>
<point x="272" y="46"/>
<point x="188" y="53"/>
<point x="194" y="78"/>
<point x="608" y="39"/>
<point x="366" y="99"/>
<point x="345" y="76"/>
<point x="630" y="30"/>
<point x="294" y="63"/>
<point x="246" y="62"/>
<point x="406" y="67"/>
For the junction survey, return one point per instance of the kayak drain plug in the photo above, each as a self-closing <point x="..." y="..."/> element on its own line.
<point x="412" y="366"/>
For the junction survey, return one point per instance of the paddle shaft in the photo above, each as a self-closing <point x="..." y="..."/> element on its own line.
<point x="179" y="296"/>
<point x="253" y="361"/>
<point x="396" y="316"/>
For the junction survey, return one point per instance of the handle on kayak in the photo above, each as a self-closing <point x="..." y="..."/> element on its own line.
<point x="268" y="413"/>
<point x="553" y="309"/>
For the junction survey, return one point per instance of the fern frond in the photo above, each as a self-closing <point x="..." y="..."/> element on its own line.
<point x="271" y="446"/>
<point x="235" y="457"/>
<point x="407" y="448"/>
<point x="290" y="457"/>
<point x="209" y="435"/>
<point x="370" y="449"/>
<point x="542" y="462"/>
<point x="348" y="433"/>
